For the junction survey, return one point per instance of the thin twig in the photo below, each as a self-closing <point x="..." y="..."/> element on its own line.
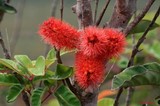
<point x="95" y="12"/>
<point x="61" y="9"/>
<point x="49" y="94"/>
<point x="116" y="103"/>
<point x="138" y="18"/>
<point x="129" y="95"/>
<point x="5" y="51"/>
<point x="102" y="12"/>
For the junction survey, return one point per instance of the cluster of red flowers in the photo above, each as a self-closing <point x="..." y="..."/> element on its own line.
<point x="95" y="46"/>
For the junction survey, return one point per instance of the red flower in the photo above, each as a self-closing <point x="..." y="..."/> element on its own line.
<point x="116" y="42"/>
<point x="93" y="42"/>
<point x="89" y="71"/>
<point x="97" y="42"/>
<point x="59" y="34"/>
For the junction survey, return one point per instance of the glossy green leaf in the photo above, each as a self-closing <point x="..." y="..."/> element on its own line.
<point x="62" y="72"/>
<point x="14" y="92"/>
<point x="8" y="79"/>
<point x="51" y="57"/>
<point x="48" y="75"/>
<point x="147" y="74"/>
<point x="66" y="97"/>
<point x="12" y="65"/>
<point x="141" y="27"/>
<point x="106" y="102"/>
<point x="21" y="69"/>
<point x="36" y="96"/>
<point x="7" y="8"/>
<point x="8" y="63"/>
<point x="24" y="60"/>
<point x="39" y="68"/>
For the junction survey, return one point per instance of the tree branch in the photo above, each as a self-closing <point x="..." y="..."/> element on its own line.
<point x="61" y="9"/>
<point x="123" y="11"/>
<point x="116" y="103"/>
<point x="102" y="12"/>
<point x="84" y="13"/>
<point x="139" y="17"/>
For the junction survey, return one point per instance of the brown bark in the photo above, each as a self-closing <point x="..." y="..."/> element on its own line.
<point x="84" y="13"/>
<point x="123" y="11"/>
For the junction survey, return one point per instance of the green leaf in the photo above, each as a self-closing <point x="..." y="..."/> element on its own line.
<point x="53" y="102"/>
<point x="66" y="97"/>
<point x="62" y="72"/>
<point x="8" y="79"/>
<point x="2" y="67"/>
<point x="51" y="57"/>
<point x="36" y="96"/>
<point x="24" y="60"/>
<point x="48" y="75"/>
<point x="14" y="92"/>
<point x="147" y="74"/>
<point x="141" y="27"/>
<point x="8" y="63"/>
<point x="39" y="68"/>
<point x="21" y="69"/>
<point x="7" y="8"/>
<point x="13" y="66"/>
<point x="106" y="102"/>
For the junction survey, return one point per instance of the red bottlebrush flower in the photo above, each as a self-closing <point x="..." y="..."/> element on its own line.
<point x="89" y="71"/>
<point x="93" y="41"/>
<point x="116" y="42"/>
<point x="59" y="34"/>
<point x="97" y="42"/>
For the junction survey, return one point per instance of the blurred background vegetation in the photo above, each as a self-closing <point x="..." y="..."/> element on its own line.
<point x="30" y="43"/>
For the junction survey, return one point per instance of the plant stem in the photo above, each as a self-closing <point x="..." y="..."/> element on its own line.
<point x="25" y="98"/>
<point x="102" y="12"/>
<point x="61" y="9"/>
<point x="116" y="103"/>
<point x="129" y="95"/>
